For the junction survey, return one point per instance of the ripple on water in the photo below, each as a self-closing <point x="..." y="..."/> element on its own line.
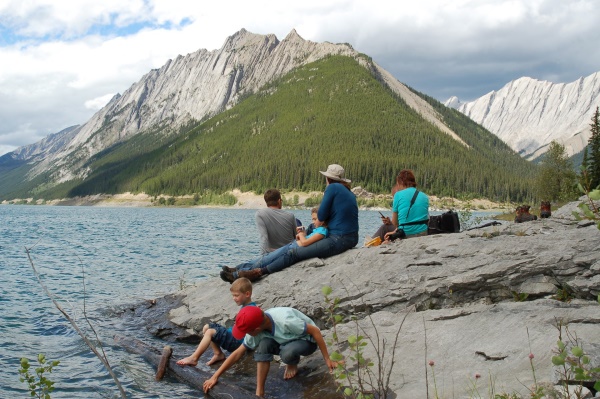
<point x="123" y="255"/>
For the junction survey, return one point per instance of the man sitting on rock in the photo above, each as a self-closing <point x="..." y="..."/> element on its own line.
<point x="276" y="227"/>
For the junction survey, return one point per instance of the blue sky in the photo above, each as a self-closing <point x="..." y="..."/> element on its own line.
<point x="61" y="61"/>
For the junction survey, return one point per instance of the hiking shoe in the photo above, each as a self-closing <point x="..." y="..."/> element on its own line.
<point x="252" y="275"/>
<point x="226" y="276"/>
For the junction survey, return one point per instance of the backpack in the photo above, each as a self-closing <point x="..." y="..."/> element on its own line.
<point x="447" y="222"/>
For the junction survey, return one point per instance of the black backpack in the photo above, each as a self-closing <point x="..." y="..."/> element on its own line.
<point x="447" y="222"/>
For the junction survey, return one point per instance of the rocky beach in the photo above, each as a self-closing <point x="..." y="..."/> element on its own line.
<point x="472" y="308"/>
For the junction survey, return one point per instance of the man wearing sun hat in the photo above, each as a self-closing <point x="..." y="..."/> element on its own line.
<point x="286" y="332"/>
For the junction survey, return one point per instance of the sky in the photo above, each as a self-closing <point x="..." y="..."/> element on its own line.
<point x="62" y="60"/>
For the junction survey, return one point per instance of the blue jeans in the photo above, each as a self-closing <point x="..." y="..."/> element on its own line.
<point x="267" y="258"/>
<point x="289" y="352"/>
<point x="224" y="338"/>
<point x="288" y="255"/>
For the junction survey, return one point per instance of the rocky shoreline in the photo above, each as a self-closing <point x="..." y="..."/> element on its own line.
<point x="476" y="302"/>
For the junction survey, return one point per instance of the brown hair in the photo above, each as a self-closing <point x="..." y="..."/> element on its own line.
<point x="242" y="285"/>
<point x="406" y="177"/>
<point x="272" y="197"/>
<point x="343" y="183"/>
<point x="316" y="210"/>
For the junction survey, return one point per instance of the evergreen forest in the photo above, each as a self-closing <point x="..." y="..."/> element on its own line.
<point x="330" y="111"/>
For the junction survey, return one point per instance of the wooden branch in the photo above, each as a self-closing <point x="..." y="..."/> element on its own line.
<point x="164" y="362"/>
<point x="76" y="327"/>
<point x="192" y="376"/>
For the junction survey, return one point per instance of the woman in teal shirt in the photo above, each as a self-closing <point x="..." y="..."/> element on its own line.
<point x="404" y="192"/>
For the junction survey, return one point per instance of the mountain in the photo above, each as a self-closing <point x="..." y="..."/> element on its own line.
<point x="196" y="86"/>
<point x="193" y="87"/>
<point x="236" y="117"/>
<point x="528" y="114"/>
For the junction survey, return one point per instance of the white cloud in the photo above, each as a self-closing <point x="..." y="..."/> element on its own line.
<point x="68" y="18"/>
<point x="61" y="58"/>
<point x="97" y="103"/>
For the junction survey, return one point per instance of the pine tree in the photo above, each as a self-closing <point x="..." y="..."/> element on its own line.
<point x="585" y="162"/>
<point x="594" y="147"/>
<point x="556" y="178"/>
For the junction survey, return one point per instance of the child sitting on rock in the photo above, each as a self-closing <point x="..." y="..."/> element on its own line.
<point x="215" y="335"/>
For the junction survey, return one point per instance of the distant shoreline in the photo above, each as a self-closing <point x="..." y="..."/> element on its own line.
<point x="247" y="200"/>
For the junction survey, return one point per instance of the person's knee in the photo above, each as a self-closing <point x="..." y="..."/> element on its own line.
<point x="209" y="332"/>
<point x="289" y="356"/>
<point x="267" y="346"/>
<point x="290" y="257"/>
<point x="265" y="350"/>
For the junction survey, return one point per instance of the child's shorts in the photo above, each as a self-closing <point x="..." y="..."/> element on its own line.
<point x="224" y="338"/>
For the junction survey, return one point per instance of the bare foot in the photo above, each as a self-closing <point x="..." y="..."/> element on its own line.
<point x="187" y="361"/>
<point x="217" y="357"/>
<point x="290" y="371"/>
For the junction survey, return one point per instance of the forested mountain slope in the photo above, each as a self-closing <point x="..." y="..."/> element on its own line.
<point x="331" y="111"/>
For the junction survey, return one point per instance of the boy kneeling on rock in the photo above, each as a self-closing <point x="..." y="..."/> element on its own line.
<point x="286" y="332"/>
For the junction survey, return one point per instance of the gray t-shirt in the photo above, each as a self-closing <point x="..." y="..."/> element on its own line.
<point x="276" y="228"/>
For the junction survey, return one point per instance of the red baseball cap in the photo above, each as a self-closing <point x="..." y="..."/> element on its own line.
<point x="247" y="320"/>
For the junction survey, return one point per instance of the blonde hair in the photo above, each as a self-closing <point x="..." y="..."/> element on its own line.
<point x="241" y="285"/>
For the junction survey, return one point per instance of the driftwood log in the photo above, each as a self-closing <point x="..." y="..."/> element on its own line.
<point x="192" y="376"/>
<point x="164" y="362"/>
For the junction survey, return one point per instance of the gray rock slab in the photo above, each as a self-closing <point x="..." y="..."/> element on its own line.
<point x="462" y="290"/>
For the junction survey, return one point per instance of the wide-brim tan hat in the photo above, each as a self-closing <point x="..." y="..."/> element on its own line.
<point x="335" y="172"/>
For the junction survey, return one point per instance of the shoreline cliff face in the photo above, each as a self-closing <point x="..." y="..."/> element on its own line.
<point x="476" y="302"/>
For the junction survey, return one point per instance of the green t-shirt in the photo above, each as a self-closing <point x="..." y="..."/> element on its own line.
<point x="289" y="324"/>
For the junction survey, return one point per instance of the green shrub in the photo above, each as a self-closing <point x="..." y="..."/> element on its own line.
<point x="39" y="385"/>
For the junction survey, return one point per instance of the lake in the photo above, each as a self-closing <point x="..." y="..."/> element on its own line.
<point x="111" y="257"/>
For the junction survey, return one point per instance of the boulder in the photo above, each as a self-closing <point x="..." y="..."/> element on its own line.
<point x="476" y="302"/>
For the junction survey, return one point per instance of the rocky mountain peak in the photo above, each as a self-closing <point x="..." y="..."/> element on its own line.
<point x="194" y="87"/>
<point x="241" y="39"/>
<point x="453" y="102"/>
<point x="293" y="36"/>
<point x="529" y="113"/>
